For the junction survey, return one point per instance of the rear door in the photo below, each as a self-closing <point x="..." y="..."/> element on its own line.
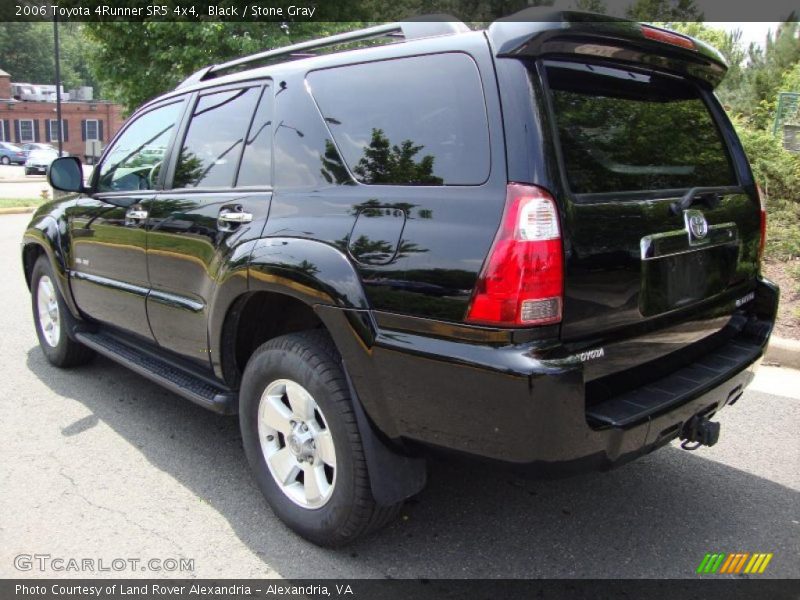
<point x="207" y="211"/>
<point x="656" y="220"/>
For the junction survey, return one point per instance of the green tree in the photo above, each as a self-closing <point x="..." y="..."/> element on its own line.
<point x="138" y="61"/>
<point x="765" y="72"/>
<point x="386" y="163"/>
<point x="28" y="54"/>
<point x="75" y="48"/>
<point x="791" y="83"/>
<point x="663" y="10"/>
<point x="27" y="51"/>
<point x="730" y="91"/>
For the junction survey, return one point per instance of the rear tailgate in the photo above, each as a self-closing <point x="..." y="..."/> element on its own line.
<point x="656" y="219"/>
<point x="660" y="214"/>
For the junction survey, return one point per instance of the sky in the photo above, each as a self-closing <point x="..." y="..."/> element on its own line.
<point x="751" y="32"/>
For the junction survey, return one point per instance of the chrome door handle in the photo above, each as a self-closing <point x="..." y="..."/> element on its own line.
<point x="232" y="216"/>
<point x="135" y="213"/>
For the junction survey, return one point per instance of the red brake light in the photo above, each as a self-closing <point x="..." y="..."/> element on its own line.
<point x="763" y="241"/>
<point x="522" y="279"/>
<point x="668" y="37"/>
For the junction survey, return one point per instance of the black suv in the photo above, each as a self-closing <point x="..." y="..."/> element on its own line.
<point x="538" y="244"/>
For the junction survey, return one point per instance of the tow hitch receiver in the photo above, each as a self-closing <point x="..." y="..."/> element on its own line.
<point x="699" y="431"/>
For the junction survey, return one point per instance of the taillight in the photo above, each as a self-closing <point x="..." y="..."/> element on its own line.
<point x="522" y="279"/>
<point x="668" y="37"/>
<point x="763" y="241"/>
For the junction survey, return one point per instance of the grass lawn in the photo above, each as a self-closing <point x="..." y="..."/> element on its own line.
<point x="15" y="202"/>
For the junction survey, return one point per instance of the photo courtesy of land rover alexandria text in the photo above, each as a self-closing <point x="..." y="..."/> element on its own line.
<point x="537" y="244"/>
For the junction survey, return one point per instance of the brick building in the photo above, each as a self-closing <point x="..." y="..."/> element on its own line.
<point x="24" y="120"/>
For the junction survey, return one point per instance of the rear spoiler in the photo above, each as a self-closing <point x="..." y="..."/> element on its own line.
<point x="543" y="32"/>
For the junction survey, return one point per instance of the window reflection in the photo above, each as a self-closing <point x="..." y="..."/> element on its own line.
<point x="214" y="141"/>
<point x="395" y="122"/>
<point x="302" y="142"/>
<point x="134" y="161"/>
<point x="256" y="167"/>
<point x="623" y="131"/>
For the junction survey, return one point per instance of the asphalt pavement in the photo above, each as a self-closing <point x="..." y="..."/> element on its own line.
<point x="98" y="463"/>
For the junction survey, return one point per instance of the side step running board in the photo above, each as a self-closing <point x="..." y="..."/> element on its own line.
<point x="181" y="381"/>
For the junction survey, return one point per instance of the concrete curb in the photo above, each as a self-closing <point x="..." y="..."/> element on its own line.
<point x="17" y="210"/>
<point x="783" y="352"/>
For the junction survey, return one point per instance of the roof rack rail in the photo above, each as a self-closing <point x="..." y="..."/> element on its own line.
<point x="419" y="27"/>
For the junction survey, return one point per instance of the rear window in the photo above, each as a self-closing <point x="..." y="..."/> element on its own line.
<point x="625" y="131"/>
<point x="408" y="121"/>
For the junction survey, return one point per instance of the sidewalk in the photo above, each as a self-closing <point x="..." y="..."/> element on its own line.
<point x="783" y="352"/>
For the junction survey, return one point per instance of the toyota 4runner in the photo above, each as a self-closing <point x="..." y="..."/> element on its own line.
<point x="538" y="244"/>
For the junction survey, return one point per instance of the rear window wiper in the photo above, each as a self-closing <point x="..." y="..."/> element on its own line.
<point x="710" y="196"/>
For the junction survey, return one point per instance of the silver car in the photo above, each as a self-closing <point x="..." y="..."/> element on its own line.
<point x="38" y="161"/>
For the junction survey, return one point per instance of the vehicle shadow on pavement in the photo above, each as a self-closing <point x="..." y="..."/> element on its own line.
<point x="656" y="517"/>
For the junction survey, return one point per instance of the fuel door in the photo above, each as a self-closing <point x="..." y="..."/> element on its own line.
<point x="376" y="234"/>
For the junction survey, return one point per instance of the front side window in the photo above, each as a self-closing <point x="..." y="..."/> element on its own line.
<point x="26" y="130"/>
<point x="626" y="131"/>
<point x="135" y="159"/>
<point x="408" y="121"/>
<point x="214" y="140"/>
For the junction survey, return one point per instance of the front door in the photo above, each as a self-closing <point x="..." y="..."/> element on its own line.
<point x="108" y="241"/>
<point x="207" y="212"/>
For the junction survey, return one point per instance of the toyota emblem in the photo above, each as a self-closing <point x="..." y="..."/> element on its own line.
<point x="696" y="224"/>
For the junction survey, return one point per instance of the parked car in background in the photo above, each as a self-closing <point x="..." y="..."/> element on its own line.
<point x="39" y="159"/>
<point x="31" y="146"/>
<point x="11" y="154"/>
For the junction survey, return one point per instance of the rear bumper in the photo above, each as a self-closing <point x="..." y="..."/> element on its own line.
<point x="507" y="404"/>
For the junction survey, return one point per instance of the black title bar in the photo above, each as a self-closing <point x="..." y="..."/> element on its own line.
<point x="377" y="10"/>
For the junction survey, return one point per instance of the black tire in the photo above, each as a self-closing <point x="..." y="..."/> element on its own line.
<point x="67" y="352"/>
<point x="310" y="359"/>
<point x="5" y="160"/>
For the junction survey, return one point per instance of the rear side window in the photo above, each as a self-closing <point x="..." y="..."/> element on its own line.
<point x="256" y="167"/>
<point x="626" y="131"/>
<point x="214" y="140"/>
<point x="408" y="121"/>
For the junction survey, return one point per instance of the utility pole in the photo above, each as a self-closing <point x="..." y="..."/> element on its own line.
<point x="58" y="87"/>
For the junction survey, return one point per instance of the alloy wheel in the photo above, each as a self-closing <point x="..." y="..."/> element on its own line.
<point x="297" y="444"/>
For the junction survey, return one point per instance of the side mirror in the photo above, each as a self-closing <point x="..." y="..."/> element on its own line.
<point x="66" y="174"/>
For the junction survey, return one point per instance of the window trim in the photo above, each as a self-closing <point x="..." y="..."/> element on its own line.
<point x="169" y="176"/>
<point x="485" y="104"/>
<point x="3" y="132"/>
<point x="128" y="123"/>
<point x="33" y="132"/>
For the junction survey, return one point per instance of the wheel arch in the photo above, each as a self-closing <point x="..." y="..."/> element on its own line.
<point x="279" y="273"/>
<point x="314" y="285"/>
<point x="43" y="237"/>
